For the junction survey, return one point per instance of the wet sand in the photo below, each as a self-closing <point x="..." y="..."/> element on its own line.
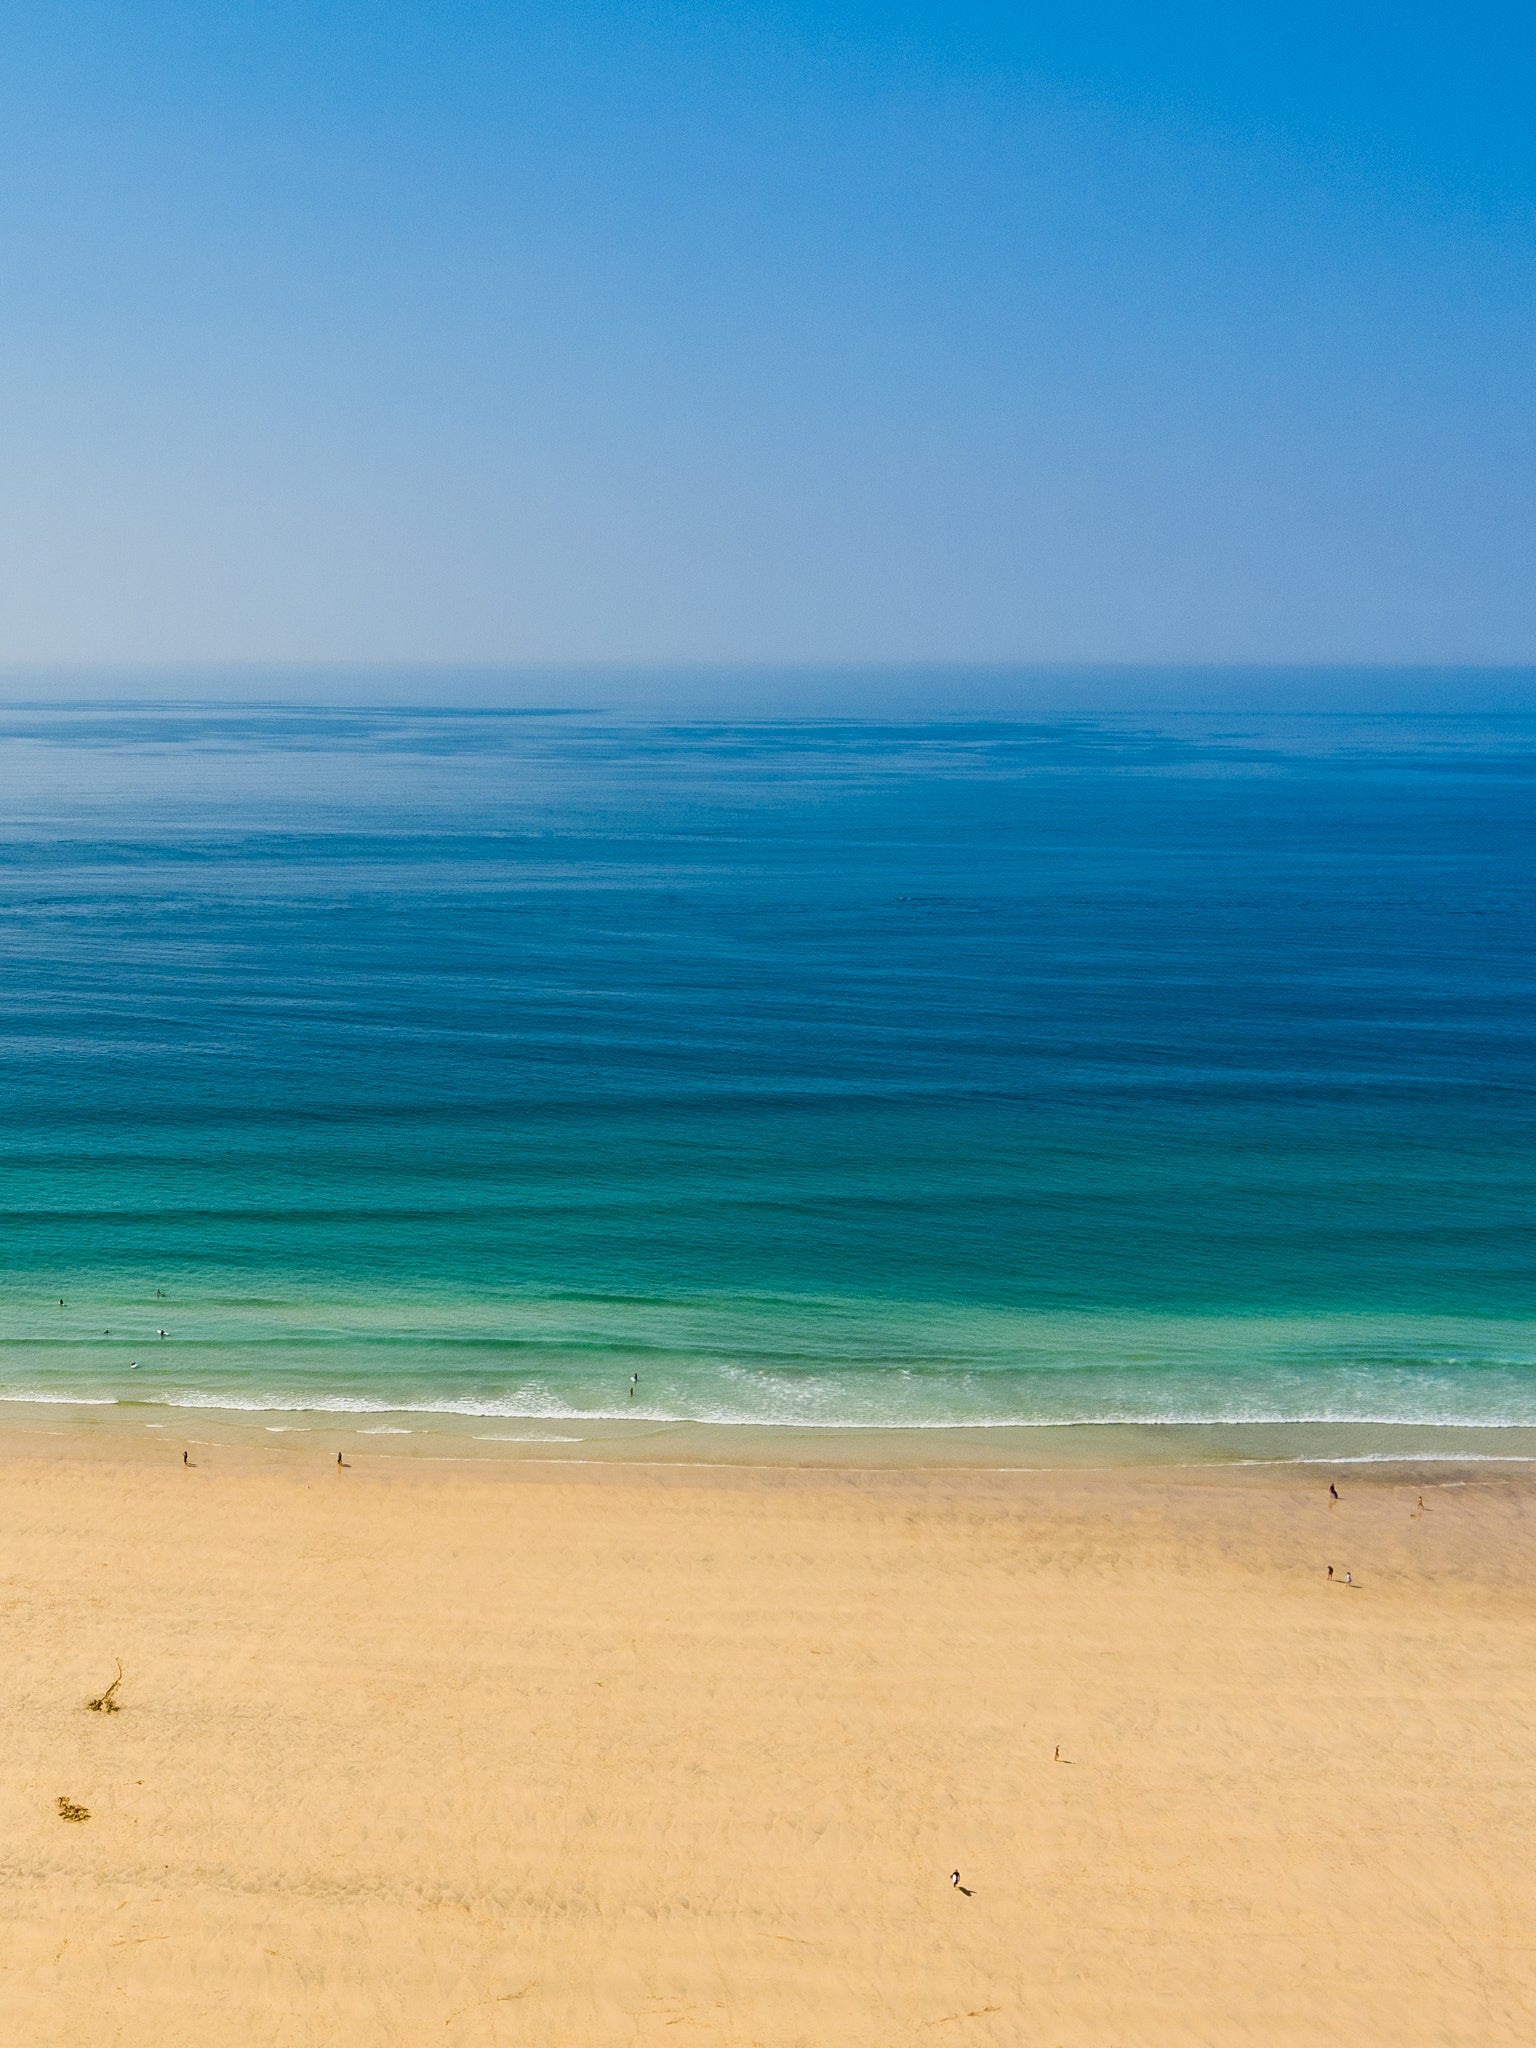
<point x="482" y="1751"/>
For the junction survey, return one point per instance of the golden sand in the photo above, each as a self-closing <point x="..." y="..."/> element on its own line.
<point x="479" y="1753"/>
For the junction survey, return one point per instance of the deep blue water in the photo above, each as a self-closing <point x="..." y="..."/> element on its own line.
<point x="834" y="1072"/>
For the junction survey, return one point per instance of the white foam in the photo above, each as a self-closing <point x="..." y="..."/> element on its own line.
<point x="1402" y="1458"/>
<point x="68" y="1400"/>
<point x="523" y="1409"/>
<point x="528" y="1437"/>
<point x="510" y="1410"/>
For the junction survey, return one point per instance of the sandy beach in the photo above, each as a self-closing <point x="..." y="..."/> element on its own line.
<point x="493" y="1753"/>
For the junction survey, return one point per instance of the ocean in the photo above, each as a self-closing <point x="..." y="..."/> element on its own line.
<point x="586" y="1079"/>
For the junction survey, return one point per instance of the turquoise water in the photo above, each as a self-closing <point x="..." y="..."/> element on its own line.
<point x="835" y="1074"/>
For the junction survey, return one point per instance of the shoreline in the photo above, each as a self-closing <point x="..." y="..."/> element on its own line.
<point x="577" y="1440"/>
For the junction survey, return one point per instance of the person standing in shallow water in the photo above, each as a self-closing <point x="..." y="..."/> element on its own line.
<point x="634" y="1381"/>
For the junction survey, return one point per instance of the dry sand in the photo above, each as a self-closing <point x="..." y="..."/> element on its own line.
<point x="484" y="1753"/>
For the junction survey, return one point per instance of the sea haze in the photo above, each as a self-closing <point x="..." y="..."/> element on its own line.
<point x="832" y="1073"/>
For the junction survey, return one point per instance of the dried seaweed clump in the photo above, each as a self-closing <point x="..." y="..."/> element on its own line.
<point x="106" y="1704"/>
<point x="68" y="1810"/>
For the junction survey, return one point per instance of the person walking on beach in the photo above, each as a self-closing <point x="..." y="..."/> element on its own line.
<point x="186" y="1457"/>
<point x="1333" y="1491"/>
<point x="341" y="1461"/>
<point x="1330" y="1571"/>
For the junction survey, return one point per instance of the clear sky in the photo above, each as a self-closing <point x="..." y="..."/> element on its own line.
<point x="455" y="331"/>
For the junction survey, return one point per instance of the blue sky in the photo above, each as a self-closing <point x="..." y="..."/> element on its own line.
<point x="473" y="332"/>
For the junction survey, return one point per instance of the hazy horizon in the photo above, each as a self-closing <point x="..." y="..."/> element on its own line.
<point x="804" y="690"/>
